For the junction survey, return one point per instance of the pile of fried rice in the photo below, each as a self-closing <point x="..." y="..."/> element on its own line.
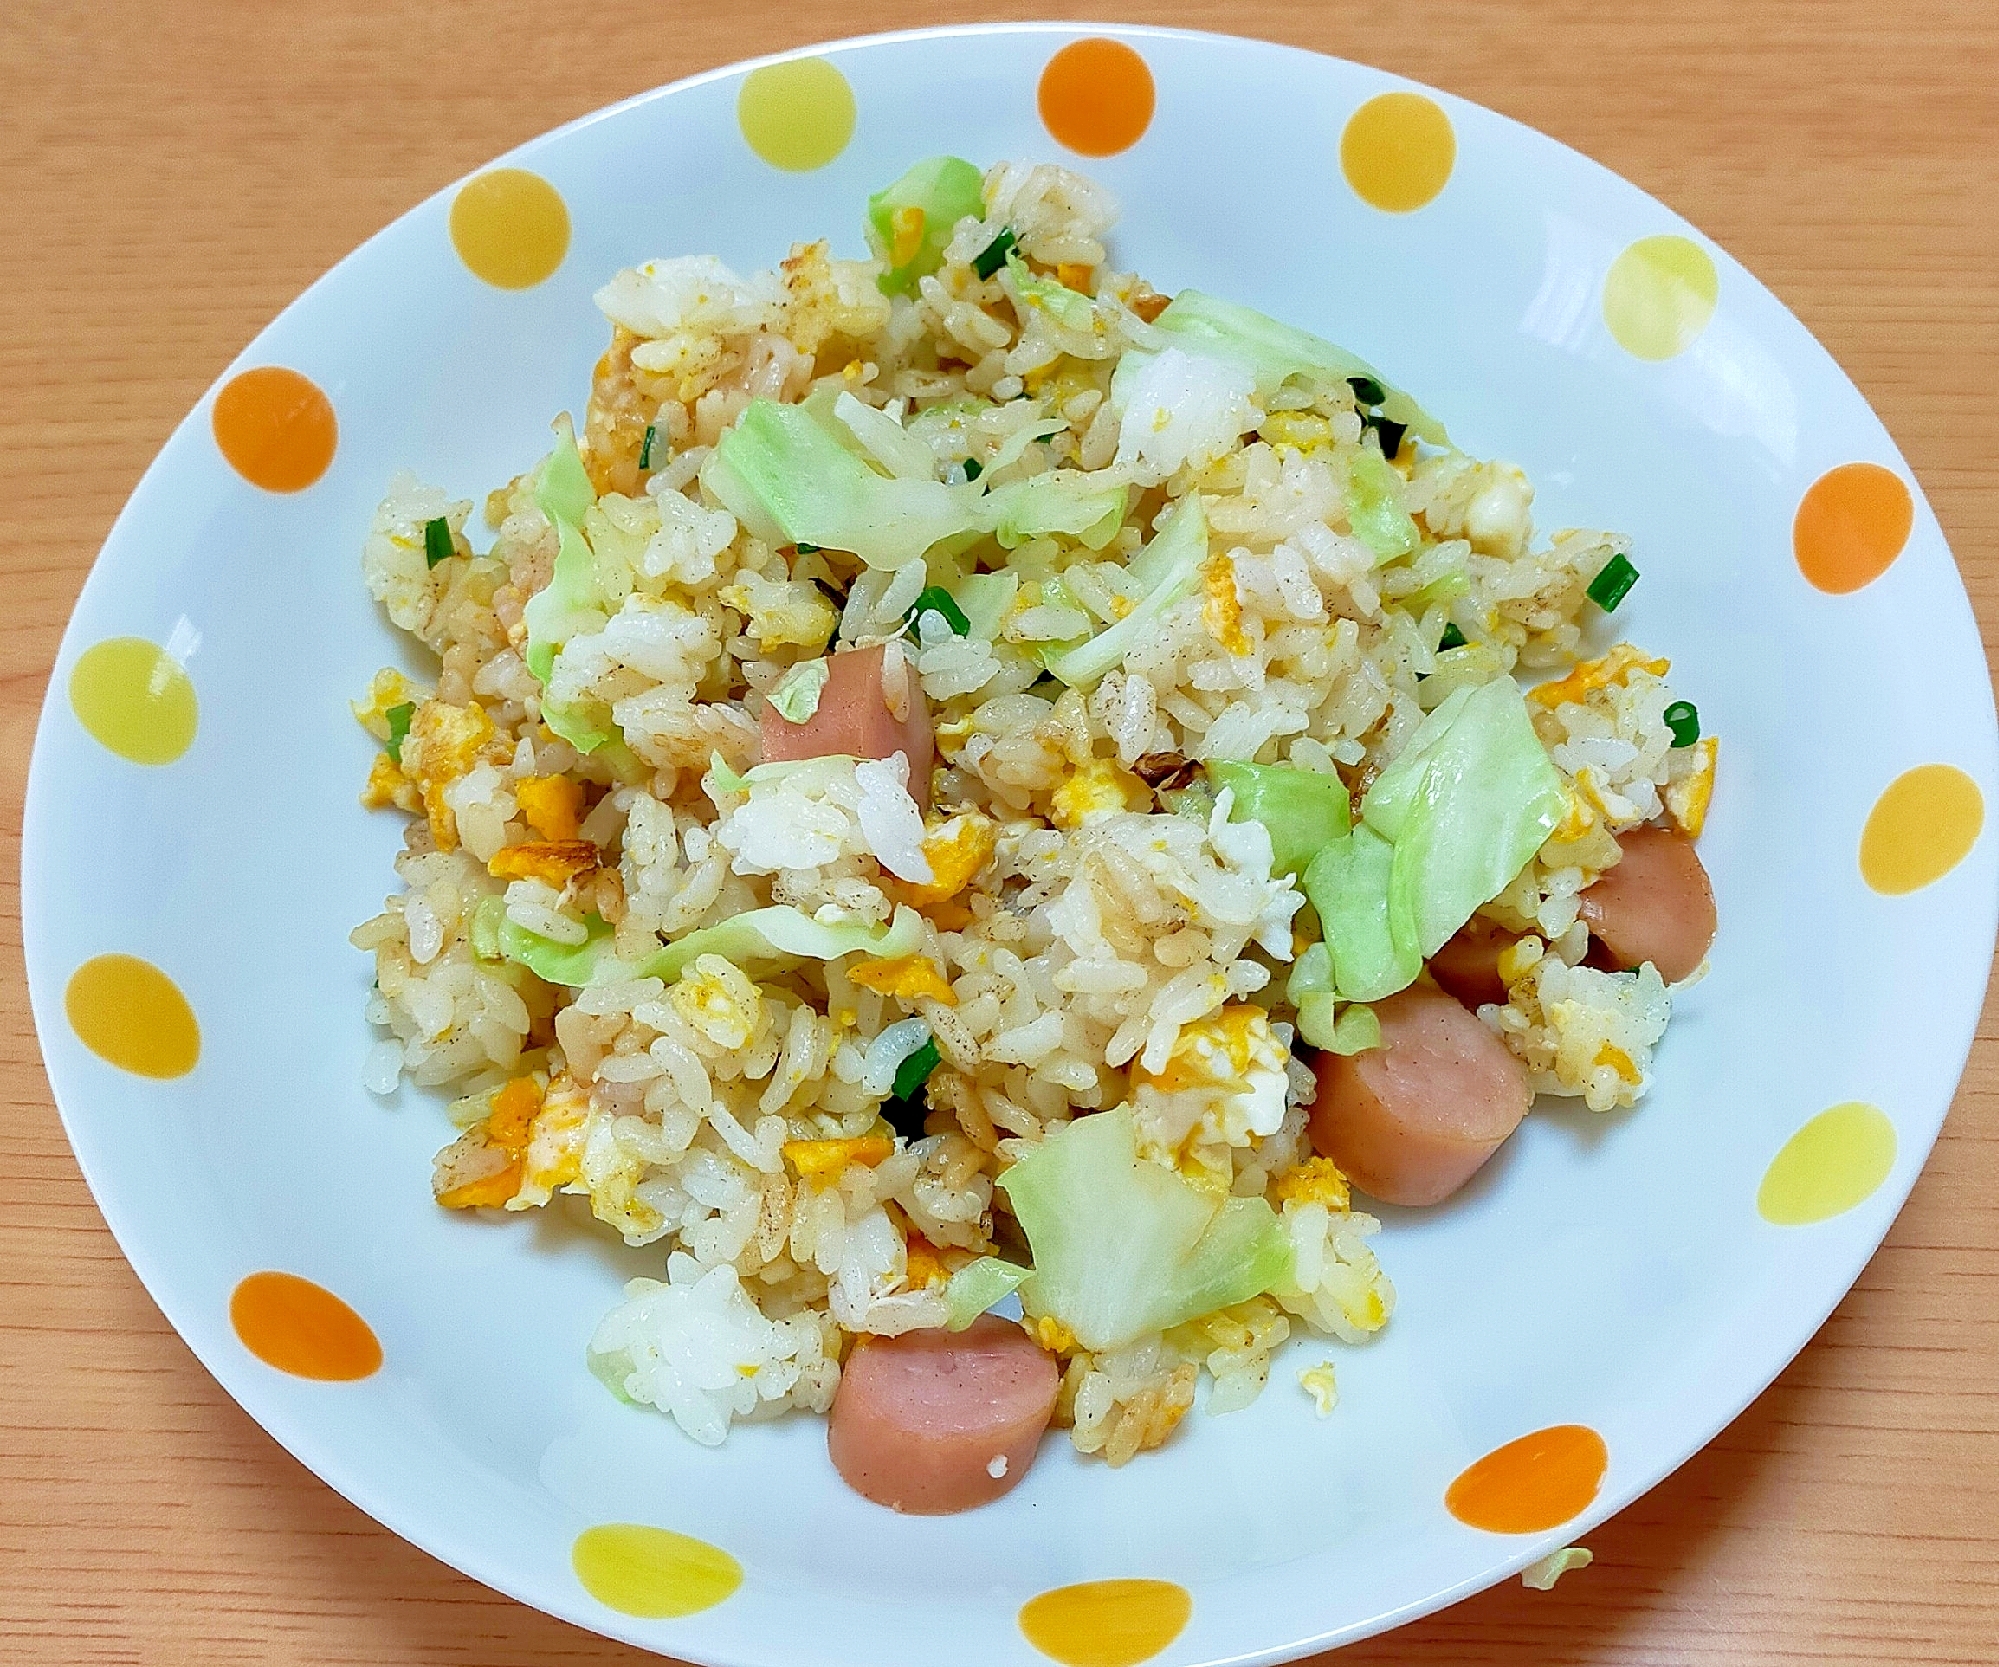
<point x="1077" y="920"/>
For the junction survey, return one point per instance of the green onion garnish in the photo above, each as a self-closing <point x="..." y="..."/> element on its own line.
<point x="645" y="450"/>
<point x="437" y="541"/>
<point x="1366" y="391"/>
<point x="993" y="256"/>
<point x="973" y="468"/>
<point x="399" y="725"/>
<point x="806" y="549"/>
<point x="1613" y="583"/>
<point x="1452" y="638"/>
<point x="937" y="600"/>
<point x="915" y="1071"/>
<point x="1684" y="722"/>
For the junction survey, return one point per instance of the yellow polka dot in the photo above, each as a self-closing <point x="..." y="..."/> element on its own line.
<point x="134" y="698"/>
<point x="1831" y="1164"/>
<point x="1659" y="295"/>
<point x="510" y="227"/>
<point x="1398" y="151"/>
<point x="129" y="1013"/>
<point x="1106" y="1623"/>
<point x="797" y="115"/>
<point x="653" y="1573"/>
<point x="1920" y="829"/>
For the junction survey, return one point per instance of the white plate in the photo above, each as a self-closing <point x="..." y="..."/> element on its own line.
<point x="1612" y="1273"/>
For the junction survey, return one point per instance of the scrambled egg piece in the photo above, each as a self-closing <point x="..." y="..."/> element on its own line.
<point x="551" y="805"/>
<point x="1315" y="1181"/>
<point x="444" y="742"/>
<point x="1302" y="430"/>
<point x="716" y="997"/>
<point x="906" y="224"/>
<point x="925" y="1264"/>
<point x="388" y="689"/>
<point x="1054" y="1336"/>
<point x="1618" y="1060"/>
<point x="1073" y="274"/>
<point x="823" y="1160"/>
<point x="1100" y="788"/>
<point x="387" y="785"/>
<point x="1614" y="667"/>
<point x="554" y="1156"/>
<point x="1687" y="799"/>
<point x="1317" y="1382"/>
<point x="484" y="1165"/>
<point x="1236" y="1052"/>
<point x="956" y="852"/>
<point x="1221" y="611"/>
<point x="553" y="862"/>
<point x="793" y="611"/>
<point x="906" y="977"/>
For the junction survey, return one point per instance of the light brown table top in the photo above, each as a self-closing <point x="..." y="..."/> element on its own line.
<point x="173" y="173"/>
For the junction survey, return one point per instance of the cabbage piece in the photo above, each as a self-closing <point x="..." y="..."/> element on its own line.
<point x="1541" y="1576"/>
<point x="782" y="469"/>
<point x="1373" y="950"/>
<point x="796" y="694"/>
<point x="1123" y="1246"/>
<point x="1014" y="446"/>
<point x="1303" y="809"/>
<point x="986" y="599"/>
<point x="570" y="604"/>
<point x="1374" y="507"/>
<point x="575" y="964"/>
<point x="483" y="931"/>
<point x="786" y="934"/>
<point x="911" y="221"/>
<point x="886" y="441"/>
<point x="1276" y="352"/>
<point x="1179" y="410"/>
<point x="1168" y="569"/>
<point x="977" y="1286"/>
<point x="1355" y="1030"/>
<point x="1070" y="308"/>
<point x="1086" y="507"/>
<point x="1467" y="812"/>
<point x="1318" y="1017"/>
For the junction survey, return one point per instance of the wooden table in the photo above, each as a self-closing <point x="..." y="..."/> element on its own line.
<point x="173" y="173"/>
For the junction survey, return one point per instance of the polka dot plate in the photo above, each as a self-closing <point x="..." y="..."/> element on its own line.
<point x="1607" y="1295"/>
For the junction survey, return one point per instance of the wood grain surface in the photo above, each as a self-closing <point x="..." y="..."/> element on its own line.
<point x="173" y="173"/>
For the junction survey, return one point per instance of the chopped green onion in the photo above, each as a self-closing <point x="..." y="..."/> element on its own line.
<point x="1366" y="391"/>
<point x="437" y="541"/>
<point x="915" y="1071"/>
<point x="1452" y="638"/>
<point x="1613" y="583"/>
<point x="993" y="256"/>
<point x="937" y="600"/>
<point x="1684" y="722"/>
<point x="399" y="728"/>
<point x="973" y="468"/>
<point x="645" y="450"/>
<point x="806" y="549"/>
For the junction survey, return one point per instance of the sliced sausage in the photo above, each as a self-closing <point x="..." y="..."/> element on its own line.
<point x="1468" y="966"/>
<point x="1411" y="1121"/>
<point x="1656" y="905"/>
<point x="938" y="1421"/>
<point x="854" y="716"/>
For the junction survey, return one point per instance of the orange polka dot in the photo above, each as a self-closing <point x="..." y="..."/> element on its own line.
<point x="303" y="1329"/>
<point x="1533" y="1484"/>
<point x="1851" y="525"/>
<point x="1106" y="1623"/>
<point x="130" y="1014"/>
<point x="275" y="428"/>
<point x="510" y="227"/>
<point x="1921" y="827"/>
<point x="1096" y="97"/>
<point x="1397" y="151"/>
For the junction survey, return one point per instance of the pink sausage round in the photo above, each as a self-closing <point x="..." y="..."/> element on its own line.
<point x="853" y="717"/>
<point x="1656" y="905"/>
<point x="1468" y="966"/>
<point x="933" y="1422"/>
<point x="1411" y="1121"/>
